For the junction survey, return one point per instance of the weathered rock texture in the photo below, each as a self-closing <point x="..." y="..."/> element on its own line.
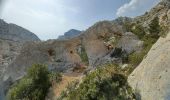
<point x="152" y="77"/>
<point x="12" y="38"/>
<point x="60" y="55"/>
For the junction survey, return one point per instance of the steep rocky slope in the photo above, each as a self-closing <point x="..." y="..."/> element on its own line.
<point x="161" y="10"/>
<point x="12" y="37"/>
<point x="151" y="77"/>
<point x="15" y="33"/>
<point x="67" y="54"/>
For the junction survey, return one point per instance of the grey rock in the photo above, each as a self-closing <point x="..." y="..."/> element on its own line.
<point x="152" y="77"/>
<point x="15" y="33"/>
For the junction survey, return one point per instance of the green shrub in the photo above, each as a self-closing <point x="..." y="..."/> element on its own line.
<point x="127" y="26"/>
<point x="33" y="86"/>
<point x="84" y="56"/>
<point x="135" y="28"/>
<point x="136" y="58"/>
<point x="164" y="31"/>
<point x="154" y="28"/>
<point x="55" y="77"/>
<point x="105" y="83"/>
<point x="139" y="31"/>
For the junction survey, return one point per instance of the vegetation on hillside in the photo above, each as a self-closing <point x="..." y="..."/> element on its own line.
<point x="155" y="30"/>
<point x="105" y="83"/>
<point x="108" y="82"/>
<point x="83" y="55"/>
<point x="34" y="86"/>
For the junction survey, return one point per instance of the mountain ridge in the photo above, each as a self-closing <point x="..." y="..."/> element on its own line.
<point x="69" y="34"/>
<point x="16" y="33"/>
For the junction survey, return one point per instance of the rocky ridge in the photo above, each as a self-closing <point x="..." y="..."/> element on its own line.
<point x="69" y="34"/>
<point x="15" y="33"/>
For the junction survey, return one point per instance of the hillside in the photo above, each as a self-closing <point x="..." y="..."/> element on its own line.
<point x="117" y="47"/>
<point x="15" y="33"/>
<point x="12" y="38"/>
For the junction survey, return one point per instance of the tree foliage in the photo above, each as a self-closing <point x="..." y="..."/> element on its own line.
<point x="105" y="83"/>
<point x="33" y="86"/>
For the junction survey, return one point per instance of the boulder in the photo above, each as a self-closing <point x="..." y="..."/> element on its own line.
<point x="151" y="79"/>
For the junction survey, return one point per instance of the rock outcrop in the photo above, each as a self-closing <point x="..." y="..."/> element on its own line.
<point x="152" y="77"/>
<point x="161" y="10"/>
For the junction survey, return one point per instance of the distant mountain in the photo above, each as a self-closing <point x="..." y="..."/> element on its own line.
<point x="15" y="33"/>
<point x="70" y="34"/>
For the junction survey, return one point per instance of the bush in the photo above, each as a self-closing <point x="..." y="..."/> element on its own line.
<point x="55" y="77"/>
<point x="164" y="31"/>
<point x="135" y="28"/>
<point x="139" y="31"/>
<point x="84" y="56"/>
<point x="105" y="83"/>
<point x="154" y="28"/>
<point x="136" y="58"/>
<point x="33" y="86"/>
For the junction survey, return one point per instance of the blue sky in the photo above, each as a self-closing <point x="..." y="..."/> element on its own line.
<point x="50" y="18"/>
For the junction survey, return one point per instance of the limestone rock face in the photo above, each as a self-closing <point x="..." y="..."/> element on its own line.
<point x="12" y="38"/>
<point x="16" y="33"/>
<point x="130" y="42"/>
<point x="152" y="77"/>
<point x="9" y="50"/>
<point x="94" y="39"/>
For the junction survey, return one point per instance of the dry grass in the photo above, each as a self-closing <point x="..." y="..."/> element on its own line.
<point x="66" y="79"/>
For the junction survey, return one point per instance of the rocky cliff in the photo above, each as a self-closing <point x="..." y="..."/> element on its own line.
<point x="15" y="33"/>
<point x="151" y="77"/>
<point x="12" y="38"/>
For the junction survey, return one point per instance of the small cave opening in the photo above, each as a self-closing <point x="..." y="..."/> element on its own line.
<point x="51" y="52"/>
<point x="116" y="53"/>
<point x="109" y="47"/>
<point x="71" y="52"/>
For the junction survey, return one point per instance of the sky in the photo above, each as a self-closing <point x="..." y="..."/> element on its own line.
<point x="50" y="18"/>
